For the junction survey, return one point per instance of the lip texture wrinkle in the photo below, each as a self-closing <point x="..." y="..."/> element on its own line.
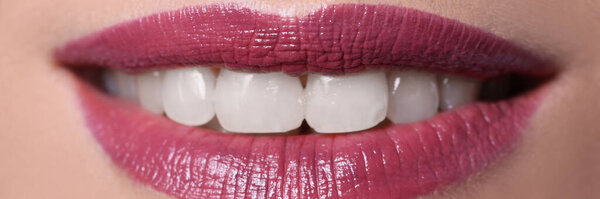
<point x="333" y="40"/>
<point x="394" y="161"/>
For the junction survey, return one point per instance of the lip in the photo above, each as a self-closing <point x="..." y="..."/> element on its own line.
<point x="397" y="161"/>
<point x="335" y="39"/>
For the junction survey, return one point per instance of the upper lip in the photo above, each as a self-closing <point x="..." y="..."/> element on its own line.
<point x="399" y="161"/>
<point x="351" y="39"/>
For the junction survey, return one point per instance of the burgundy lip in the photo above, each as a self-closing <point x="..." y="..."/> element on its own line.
<point x="395" y="161"/>
<point x="334" y="40"/>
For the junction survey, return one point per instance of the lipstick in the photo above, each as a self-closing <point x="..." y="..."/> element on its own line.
<point x="337" y="39"/>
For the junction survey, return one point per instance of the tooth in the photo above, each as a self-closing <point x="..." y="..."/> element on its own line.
<point x="457" y="91"/>
<point x="258" y="103"/>
<point x="126" y="85"/>
<point x="110" y="83"/>
<point x="188" y="95"/>
<point x="336" y="104"/>
<point x="413" y="96"/>
<point x="149" y="87"/>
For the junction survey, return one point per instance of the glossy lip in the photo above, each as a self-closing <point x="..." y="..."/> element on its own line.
<point x="395" y="161"/>
<point x="335" y="39"/>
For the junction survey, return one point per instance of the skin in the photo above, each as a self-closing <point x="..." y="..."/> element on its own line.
<point x="47" y="152"/>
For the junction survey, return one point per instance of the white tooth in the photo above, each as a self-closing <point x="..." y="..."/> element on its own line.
<point x="258" y="103"/>
<point x="413" y="96"/>
<point x="110" y="83"/>
<point x="336" y="104"/>
<point x="149" y="87"/>
<point x="188" y="95"/>
<point x="457" y="91"/>
<point x="126" y="85"/>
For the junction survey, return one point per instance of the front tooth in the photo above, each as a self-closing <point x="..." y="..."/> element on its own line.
<point x="149" y="87"/>
<point x="413" y="96"/>
<point x="188" y="95"/>
<point x="258" y="103"/>
<point x="336" y="104"/>
<point x="457" y="91"/>
<point x="126" y="85"/>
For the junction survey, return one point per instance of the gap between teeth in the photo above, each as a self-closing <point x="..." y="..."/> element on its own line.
<point x="276" y="102"/>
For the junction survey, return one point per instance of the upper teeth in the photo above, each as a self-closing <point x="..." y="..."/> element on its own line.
<point x="249" y="102"/>
<point x="457" y="91"/>
<point x="188" y="95"/>
<point x="276" y="102"/>
<point x="346" y="103"/>
<point x="413" y="96"/>
<point x="149" y="87"/>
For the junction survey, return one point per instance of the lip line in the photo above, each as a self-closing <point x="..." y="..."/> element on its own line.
<point x="257" y="42"/>
<point x="115" y="127"/>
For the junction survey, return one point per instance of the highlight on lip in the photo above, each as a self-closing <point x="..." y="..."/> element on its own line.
<point x="409" y="86"/>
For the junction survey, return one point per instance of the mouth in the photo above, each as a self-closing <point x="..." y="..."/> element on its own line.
<point x="351" y="100"/>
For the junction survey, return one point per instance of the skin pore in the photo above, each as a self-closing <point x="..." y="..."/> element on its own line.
<point x="47" y="151"/>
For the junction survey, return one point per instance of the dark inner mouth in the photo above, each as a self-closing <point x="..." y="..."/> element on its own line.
<point x="509" y="86"/>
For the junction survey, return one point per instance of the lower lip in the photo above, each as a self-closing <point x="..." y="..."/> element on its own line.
<point x="402" y="161"/>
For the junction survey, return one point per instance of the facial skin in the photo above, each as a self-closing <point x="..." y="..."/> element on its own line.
<point x="47" y="152"/>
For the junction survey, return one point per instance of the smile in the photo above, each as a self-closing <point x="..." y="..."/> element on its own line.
<point x="350" y="101"/>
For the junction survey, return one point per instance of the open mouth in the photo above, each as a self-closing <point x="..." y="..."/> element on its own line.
<point x="352" y="100"/>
